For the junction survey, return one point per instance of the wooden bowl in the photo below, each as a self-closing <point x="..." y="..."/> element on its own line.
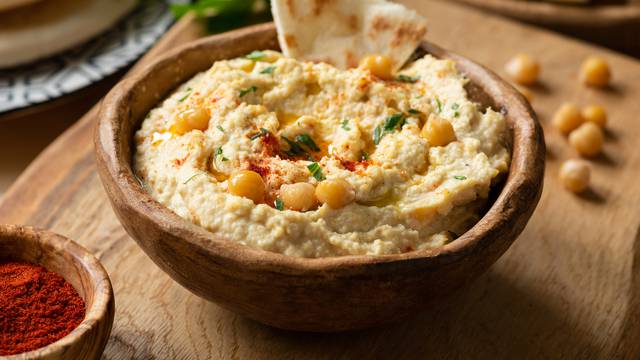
<point x="326" y="294"/>
<point x="82" y="270"/>
<point x="614" y="26"/>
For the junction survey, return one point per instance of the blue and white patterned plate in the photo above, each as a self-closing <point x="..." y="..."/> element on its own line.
<point x="82" y="66"/>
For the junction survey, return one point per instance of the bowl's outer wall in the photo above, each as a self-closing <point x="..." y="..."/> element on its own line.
<point x="356" y="294"/>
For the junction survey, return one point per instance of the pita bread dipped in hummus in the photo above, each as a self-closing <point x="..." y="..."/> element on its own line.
<point x="37" y="29"/>
<point x="308" y="159"/>
<point x="341" y="33"/>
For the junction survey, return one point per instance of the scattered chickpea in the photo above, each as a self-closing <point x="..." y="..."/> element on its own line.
<point x="567" y="118"/>
<point x="335" y="193"/>
<point x="587" y="139"/>
<point x="378" y="65"/>
<point x="595" y="72"/>
<point x="438" y="131"/>
<point x="595" y="114"/>
<point x="191" y="119"/>
<point x="299" y="196"/>
<point x="249" y="184"/>
<point x="523" y="69"/>
<point x="575" y="175"/>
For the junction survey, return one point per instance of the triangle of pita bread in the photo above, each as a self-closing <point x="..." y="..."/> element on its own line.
<point x="343" y="32"/>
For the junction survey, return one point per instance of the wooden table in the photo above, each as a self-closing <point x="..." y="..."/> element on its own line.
<point x="568" y="288"/>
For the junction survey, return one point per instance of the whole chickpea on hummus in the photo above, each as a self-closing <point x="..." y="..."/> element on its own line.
<point x="308" y="160"/>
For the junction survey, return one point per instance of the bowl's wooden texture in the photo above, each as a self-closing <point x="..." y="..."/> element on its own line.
<point x="614" y="26"/>
<point x="328" y="294"/>
<point x="82" y="270"/>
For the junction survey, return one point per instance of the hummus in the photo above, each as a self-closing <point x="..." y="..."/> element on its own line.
<point x="261" y="110"/>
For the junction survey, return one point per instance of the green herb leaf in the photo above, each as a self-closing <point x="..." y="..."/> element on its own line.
<point x="345" y="124"/>
<point x="307" y="141"/>
<point x="316" y="171"/>
<point x="393" y="121"/>
<point x="414" y="112"/>
<point x="377" y="135"/>
<point x="262" y="132"/>
<point x="279" y="204"/>
<point x="294" y="148"/>
<point x="186" y="95"/>
<point x="191" y="178"/>
<point x="220" y="128"/>
<point x="244" y="92"/>
<point x="407" y="78"/>
<point x="460" y="177"/>
<point x="255" y="55"/>
<point x="219" y="151"/>
<point x="455" y="106"/>
<point x="268" y="70"/>
<point x="438" y="105"/>
<point x="364" y="156"/>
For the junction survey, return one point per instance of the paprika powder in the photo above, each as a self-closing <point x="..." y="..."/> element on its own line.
<point x="37" y="307"/>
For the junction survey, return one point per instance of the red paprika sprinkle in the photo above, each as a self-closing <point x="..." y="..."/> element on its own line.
<point x="37" y="307"/>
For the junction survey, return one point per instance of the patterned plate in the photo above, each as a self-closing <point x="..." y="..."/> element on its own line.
<point x="82" y="66"/>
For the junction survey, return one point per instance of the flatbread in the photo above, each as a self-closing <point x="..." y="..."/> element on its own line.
<point x="48" y="27"/>
<point x="10" y="4"/>
<point x="343" y="32"/>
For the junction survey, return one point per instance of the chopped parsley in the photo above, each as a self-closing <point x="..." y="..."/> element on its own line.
<point x="316" y="171"/>
<point x="191" y="178"/>
<point x="364" y="155"/>
<point x="390" y="123"/>
<point x="438" y="105"/>
<point x="377" y="135"/>
<point x="186" y="95"/>
<point x="279" y="204"/>
<point x="262" y="132"/>
<point x="255" y="55"/>
<point x="414" y="112"/>
<point x="219" y="153"/>
<point x="455" y="107"/>
<point x="460" y="177"/>
<point x="220" y="128"/>
<point x="268" y="70"/>
<point x="294" y="148"/>
<point x="244" y="92"/>
<point x="307" y="141"/>
<point x="407" y="78"/>
<point x="345" y="125"/>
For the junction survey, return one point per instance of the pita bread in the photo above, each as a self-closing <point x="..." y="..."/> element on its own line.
<point x="10" y="4"/>
<point x="48" y="27"/>
<point x="343" y="32"/>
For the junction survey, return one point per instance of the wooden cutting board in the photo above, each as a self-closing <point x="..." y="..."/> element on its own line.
<point x="569" y="286"/>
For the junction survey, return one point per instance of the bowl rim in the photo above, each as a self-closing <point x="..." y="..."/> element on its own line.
<point x="527" y="157"/>
<point x="562" y="14"/>
<point x="102" y="306"/>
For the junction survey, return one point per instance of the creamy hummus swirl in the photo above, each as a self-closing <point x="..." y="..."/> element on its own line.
<point x="408" y="194"/>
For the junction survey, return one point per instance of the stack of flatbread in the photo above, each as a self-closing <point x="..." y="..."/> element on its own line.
<point x="33" y="29"/>
<point x="343" y="32"/>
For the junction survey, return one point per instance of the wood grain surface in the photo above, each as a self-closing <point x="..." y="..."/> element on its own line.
<point x="569" y="286"/>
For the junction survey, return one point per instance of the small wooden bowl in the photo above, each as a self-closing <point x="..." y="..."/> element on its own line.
<point x="326" y="294"/>
<point x="82" y="270"/>
<point x="614" y="26"/>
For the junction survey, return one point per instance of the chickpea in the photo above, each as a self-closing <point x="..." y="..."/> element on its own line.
<point x="378" y="65"/>
<point x="191" y="119"/>
<point x="335" y="193"/>
<point x="523" y="69"/>
<point x="595" y="114"/>
<point x="587" y="139"/>
<point x="567" y="118"/>
<point x="248" y="184"/>
<point x="595" y="72"/>
<point x="299" y="196"/>
<point x="575" y="175"/>
<point x="438" y="131"/>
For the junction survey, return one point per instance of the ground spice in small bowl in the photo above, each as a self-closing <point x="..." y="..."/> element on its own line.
<point x="37" y="307"/>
